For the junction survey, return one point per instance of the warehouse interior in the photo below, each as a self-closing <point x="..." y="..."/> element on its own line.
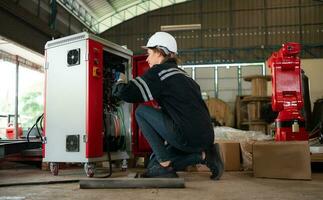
<point x="59" y="62"/>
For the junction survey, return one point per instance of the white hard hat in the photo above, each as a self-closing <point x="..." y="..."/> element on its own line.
<point x="162" y="40"/>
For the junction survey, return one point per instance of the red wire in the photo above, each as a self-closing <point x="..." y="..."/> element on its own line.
<point x="116" y="126"/>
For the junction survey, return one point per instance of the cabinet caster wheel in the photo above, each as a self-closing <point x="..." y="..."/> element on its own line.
<point x="89" y="169"/>
<point x="124" y="165"/>
<point x="54" y="168"/>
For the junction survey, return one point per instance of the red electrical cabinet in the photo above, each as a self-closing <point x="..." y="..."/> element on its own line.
<point x="80" y="120"/>
<point x="83" y="122"/>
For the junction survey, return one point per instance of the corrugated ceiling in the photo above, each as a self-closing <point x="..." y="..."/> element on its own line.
<point x="100" y="15"/>
<point x="26" y="57"/>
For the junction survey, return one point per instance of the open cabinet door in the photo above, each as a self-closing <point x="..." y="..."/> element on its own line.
<point x="140" y="146"/>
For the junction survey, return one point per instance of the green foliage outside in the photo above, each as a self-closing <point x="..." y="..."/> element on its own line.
<point x="32" y="107"/>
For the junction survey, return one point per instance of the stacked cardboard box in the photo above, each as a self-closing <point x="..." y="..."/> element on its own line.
<point x="230" y="152"/>
<point x="286" y="160"/>
<point x="268" y="159"/>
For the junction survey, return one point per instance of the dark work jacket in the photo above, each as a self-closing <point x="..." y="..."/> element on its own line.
<point x="179" y="97"/>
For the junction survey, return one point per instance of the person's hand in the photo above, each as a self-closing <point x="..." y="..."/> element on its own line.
<point x="117" y="88"/>
<point x="120" y="68"/>
<point x="122" y="77"/>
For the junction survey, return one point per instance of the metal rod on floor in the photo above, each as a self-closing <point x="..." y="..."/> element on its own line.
<point x="114" y="183"/>
<point x="39" y="183"/>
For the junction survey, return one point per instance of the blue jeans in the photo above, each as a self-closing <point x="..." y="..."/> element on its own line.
<point x="157" y="127"/>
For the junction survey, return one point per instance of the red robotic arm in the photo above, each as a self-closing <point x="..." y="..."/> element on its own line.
<point x="287" y="92"/>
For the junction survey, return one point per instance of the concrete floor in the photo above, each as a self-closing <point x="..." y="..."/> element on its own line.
<point x="233" y="185"/>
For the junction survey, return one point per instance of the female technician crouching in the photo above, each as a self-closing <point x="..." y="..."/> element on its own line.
<point x="180" y="133"/>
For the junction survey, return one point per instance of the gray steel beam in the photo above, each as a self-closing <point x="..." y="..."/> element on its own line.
<point x="16" y="99"/>
<point x="115" y="10"/>
<point x="53" y="14"/>
<point x="185" y="13"/>
<point x="20" y="26"/>
<point x="81" y="14"/>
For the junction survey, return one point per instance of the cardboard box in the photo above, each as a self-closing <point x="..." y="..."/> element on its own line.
<point x="286" y="160"/>
<point x="230" y="152"/>
<point x="316" y="157"/>
<point x="246" y="154"/>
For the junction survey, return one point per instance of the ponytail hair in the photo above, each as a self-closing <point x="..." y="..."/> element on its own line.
<point x="171" y="56"/>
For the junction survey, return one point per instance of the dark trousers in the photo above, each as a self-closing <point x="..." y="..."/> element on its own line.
<point x="157" y="127"/>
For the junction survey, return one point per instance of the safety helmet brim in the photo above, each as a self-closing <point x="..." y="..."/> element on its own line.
<point x="163" y="41"/>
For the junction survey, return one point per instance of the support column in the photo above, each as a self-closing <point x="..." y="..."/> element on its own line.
<point x="16" y="99"/>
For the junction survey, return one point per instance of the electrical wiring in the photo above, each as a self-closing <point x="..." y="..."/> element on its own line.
<point x="38" y="121"/>
<point x="113" y="115"/>
<point x="123" y="128"/>
<point x="114" y="127"/>
<point x="317" y="132"/>
<point x="117" y="125"/>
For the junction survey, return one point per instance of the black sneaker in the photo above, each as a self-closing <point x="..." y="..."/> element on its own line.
<point x="158" y="171"/>
<point x="152" y="161"/>
<point x="214" y="161"/>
